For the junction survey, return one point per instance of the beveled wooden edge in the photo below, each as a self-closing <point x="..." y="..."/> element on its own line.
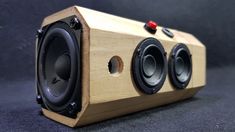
<point x="91" y="115"/>
<point x="85" y="64"/>
<point x="59" y="118"/>
<point x="140" y="104"/>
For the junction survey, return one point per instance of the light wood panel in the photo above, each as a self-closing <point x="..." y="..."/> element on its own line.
<point x="105" y="96"/>
<point x="103" y="111"/>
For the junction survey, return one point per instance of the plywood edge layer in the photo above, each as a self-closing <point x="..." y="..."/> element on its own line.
<point x="103" y="111"/>
<point x="117" y="24"/>
<point x="59" y="118"/>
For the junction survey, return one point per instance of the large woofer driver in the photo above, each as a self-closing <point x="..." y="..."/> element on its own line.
<point x="149" y="66"/>
<point x="180" y="66"/>
<point x="59" y="68"/>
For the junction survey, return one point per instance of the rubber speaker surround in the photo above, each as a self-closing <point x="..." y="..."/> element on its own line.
<point x="149" y="66"/>
<point x="58" y="69"/>
<point x="180" y="66"/>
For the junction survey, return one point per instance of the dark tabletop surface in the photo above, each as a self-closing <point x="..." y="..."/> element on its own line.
<point x="212" y="109"/>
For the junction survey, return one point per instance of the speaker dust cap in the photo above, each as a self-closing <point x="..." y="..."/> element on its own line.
<point x="59" y="67"/>
<point x="180" y="66"/>
<point x="149" y="66"/>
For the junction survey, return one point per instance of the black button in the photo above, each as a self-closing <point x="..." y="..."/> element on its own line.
<point x="167" y="32"/>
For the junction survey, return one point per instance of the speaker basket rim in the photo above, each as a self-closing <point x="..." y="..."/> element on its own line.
<point x="171" y="66"/>
<point x="75" y="99"/>
<point x="136" y="65"/>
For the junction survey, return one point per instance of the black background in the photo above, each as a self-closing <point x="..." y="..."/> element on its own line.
<point x="211" y="21"/>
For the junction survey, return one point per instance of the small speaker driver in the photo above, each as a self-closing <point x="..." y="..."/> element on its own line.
<point x="180" y="66"/>
<point x="149" y="66"/>
<point x="58" y="68"/>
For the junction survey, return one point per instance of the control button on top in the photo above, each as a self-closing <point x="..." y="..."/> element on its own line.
<point x="151" y="27"/>
<point x="167" y="32"/>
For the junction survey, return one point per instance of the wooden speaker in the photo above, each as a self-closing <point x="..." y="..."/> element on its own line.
<point x="93" y="66"/>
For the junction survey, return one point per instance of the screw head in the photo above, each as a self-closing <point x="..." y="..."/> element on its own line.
<point x="39" y="99"/>
<point x="39" y="33"/>
<point x="72" y="108"/>
<point x="139" y="52"/>
<point x="75" y="23"/>
<point x="165" y="53"/>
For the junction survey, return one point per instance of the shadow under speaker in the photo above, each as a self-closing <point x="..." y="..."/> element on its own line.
<point x="92" y="66"/>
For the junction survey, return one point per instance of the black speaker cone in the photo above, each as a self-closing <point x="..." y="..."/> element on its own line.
<point x="148" y="66"/>
<point x="180" y="66"/>
<point x="63" y="66"/>
<point x="59" y="67"/>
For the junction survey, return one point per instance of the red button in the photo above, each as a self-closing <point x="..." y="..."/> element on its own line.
<point x="152" y="25"/>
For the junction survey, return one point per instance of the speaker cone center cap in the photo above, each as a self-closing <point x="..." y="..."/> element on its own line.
<point x="179" y="66"/>
<point x="149" y="65"/>
<point x="63" y="67"/>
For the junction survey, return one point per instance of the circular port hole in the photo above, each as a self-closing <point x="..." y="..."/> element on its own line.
<point x="115" y="65"/>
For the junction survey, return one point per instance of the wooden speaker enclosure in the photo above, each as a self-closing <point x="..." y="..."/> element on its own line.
<point x="106" y="95"/>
